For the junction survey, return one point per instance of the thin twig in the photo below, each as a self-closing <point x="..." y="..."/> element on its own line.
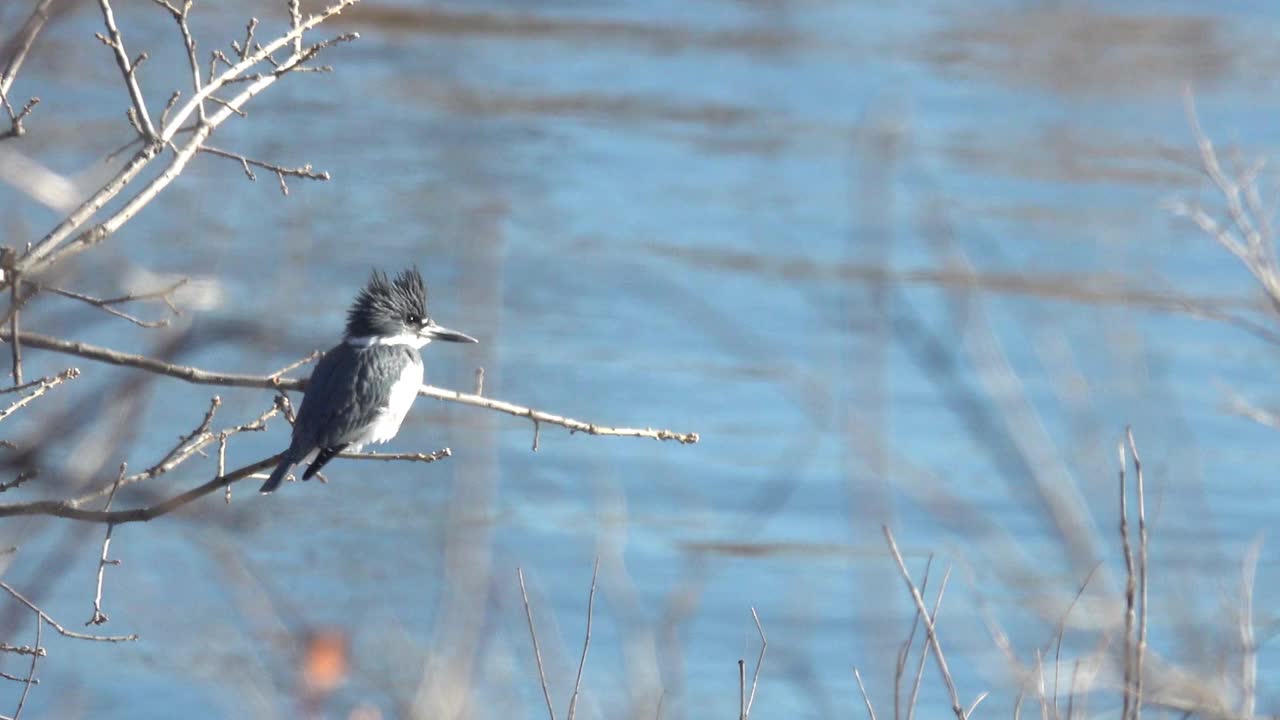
<point x="1061" y="630"/>
<point x="99" y="617"/>
<point x="537" y="653"/>
<point x="930" y="628"/>
<point x="586" y="642"/>
<point x="56" y="626"/>
<point x="189" y="42"/>
<point x="8" y="256"/>
<point x="188" y="446"/>
<point x="305" y="172"/>
<point x="31" y="673"/>
<point x="22" y="649"/>
<point x="15" y="346"/>
<point x="315" y="355"/>
<point x="105" y="304"/>
<point x="1242" y="238"/>
<point x="976" y="702"/>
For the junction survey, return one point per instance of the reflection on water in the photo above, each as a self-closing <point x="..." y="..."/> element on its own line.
<point x="1078" y="51"/>
<point x="904" y="265"/>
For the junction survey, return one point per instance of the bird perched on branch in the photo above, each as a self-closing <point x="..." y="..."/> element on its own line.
<point x="361" y="390"/>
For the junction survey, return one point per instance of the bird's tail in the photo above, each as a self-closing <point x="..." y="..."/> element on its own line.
<point x="277" y="475"/>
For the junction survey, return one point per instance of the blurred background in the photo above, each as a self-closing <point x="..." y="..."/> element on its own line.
<point x="904" y="264"/>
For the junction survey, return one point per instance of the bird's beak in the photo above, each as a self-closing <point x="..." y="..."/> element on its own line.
<point x="436" y="332"/>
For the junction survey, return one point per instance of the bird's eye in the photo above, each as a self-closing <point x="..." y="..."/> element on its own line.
<point x="413" y="319"/>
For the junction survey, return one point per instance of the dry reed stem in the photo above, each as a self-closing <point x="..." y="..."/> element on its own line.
<point x="1141" y="650"/>
<point x="1248" y="643"/>
<point x="755" y="676"/>
<point x="930" y="628"/>
<point x="904" y="652"/>
<point x="1130" y="589"/>
<point x="871" y="711"/>
<point x="537" y="652"/>
<point x="924" y="650"/>
<point x="586" y="641"/>
<point x="1061" y="630"/>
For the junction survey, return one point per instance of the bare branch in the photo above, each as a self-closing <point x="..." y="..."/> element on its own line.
<point x="127" y="69"/>
<point x="100" y="617"/>
<point x="106" y="304"/>
<point x="188" y="446"/>
<point x="22" y="478"/>
<point x="43" y="253"/>
<point x="42" y="387"/>
<point x="305" y="171"/>
<point x="295" y="22"/>
<point x="1254" y="247"/>
<point x="31" y="673"/>
<point x="22" y="649"/>
<point x="25" y="38"/>
<point x="430" y="457"/>
<point x="204" y="377"/>
<point x="189" y="42"/>
<point x="71" y="509"/>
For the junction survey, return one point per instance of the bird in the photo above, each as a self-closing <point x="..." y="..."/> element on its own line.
<point x="362" y="388"/>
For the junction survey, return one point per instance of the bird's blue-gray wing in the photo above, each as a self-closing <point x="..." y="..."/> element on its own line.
<point x="347" y="390"/>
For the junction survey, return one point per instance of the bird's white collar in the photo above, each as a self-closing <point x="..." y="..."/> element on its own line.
<point x="412" y="340"/>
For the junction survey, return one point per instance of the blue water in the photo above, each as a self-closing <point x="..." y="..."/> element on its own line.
<point x="674" y="215"/>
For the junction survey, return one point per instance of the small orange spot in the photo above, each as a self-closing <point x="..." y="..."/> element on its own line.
<point x="324" y="660"/>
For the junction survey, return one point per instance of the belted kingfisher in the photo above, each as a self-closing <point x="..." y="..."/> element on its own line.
<point x="361" y="390"/>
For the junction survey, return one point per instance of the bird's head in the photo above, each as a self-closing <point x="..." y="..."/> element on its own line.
<point x="394" y="311"/>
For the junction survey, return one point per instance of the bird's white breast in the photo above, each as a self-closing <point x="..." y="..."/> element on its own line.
<point x="403" y="392"/>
